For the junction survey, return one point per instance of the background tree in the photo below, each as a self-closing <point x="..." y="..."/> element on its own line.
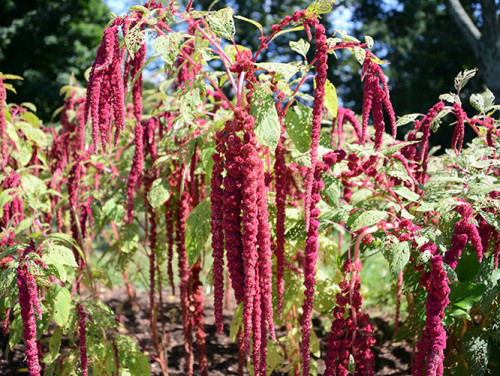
<point x="47" y="41"/>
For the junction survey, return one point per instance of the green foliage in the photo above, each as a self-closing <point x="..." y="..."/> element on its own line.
<point x="60" y="38"/>
<point x="267" y="124"/>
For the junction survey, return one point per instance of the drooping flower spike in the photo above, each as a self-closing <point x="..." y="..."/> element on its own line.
<point x="375" y="97"/>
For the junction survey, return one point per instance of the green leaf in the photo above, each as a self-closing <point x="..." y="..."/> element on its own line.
<point x="475" y="348"/>
<point x="468" y="267"/>
<point x="139" y="8"/>
<point x="395" y="148"/>
<point x="135" y="39"/>
<point x="191" y="98"/>
<point x="255" y="23"/>
<point x="466" y="295"/>
<point x="369" y="41"/>
<point x="301" y="47"/>
<point x="275" y="357"/>
<point x="54" y="346"/>
<point x="298" y="28"/>
<point x="23" y="225"/>
<point x="315" y="350"/>
<point x="368" y="218"/>
<point x="267" y="125"/>
<point x="299" y="126"/>
<point x="61" y="298"/>
<point x="168" y="46"/>
<point x="131" y="357"/>
<point x="319" y="7"/>
<point x="282" y="71"/>
<point x="406" y="193"/>
<point x="236" y="322"/>
<point x="197" y="230"/>
<point x="6" y="278"/>
<point x="129" y="238"/>
<point x="491" y="219"/>
<point x="60" y="254"/>
<point x="331" y="101"/>
<point x="409" y="118"/>
<point x="10" y="76"/>
<point x="460" y="314"/>
<point x="482" y="101"/>
<point x="450" y="97"/>
<point x="397" y="255"/>
<point x="113" y="211"/>
<point x="187" y="150"/>
<point x="33" y="186"/>
<point x="464" y="77"/>
<point x="64" y="238"/>
<point x="23" y="154"/>
<point x="436" y="122"/>
<point x="159" y="193"/>
<point x="222" y="23"/>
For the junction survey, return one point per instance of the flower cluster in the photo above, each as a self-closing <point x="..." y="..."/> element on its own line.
<point x="375" y="96"/>
<point x="345" y="115"/>
<point x="105" y="90"/>
<point x="217" y="230"/>
<point x="14" y="211"/>
<point x="3" y="122"/>
<point x="183" y="266"/>
<point x="430" y="349"/>
<point x="28" y="300"/>
<point x="458" y="134"/>
<point x="351" y="333"/>
<point x="464" y="231"/>
<point x="135" y="174"/>
<point x="280" y="170"/>
<point x="82" y="335"/>
<point x="197" y="317"/>
<point x="422" y="154"/>
<point x="233" y="183"/>
<point x="319" y="96"/>
<point x="311" y="256"/>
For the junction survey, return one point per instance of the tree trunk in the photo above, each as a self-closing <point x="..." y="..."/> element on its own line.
<point x="485" y="42"/>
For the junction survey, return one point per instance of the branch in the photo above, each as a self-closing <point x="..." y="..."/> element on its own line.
<point x="464" y="22"/>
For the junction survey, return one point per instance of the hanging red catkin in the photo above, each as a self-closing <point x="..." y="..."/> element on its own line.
<point x="378" y="117"/>
<point x="182" y="213"/>
<point x="458" y="134"/>
<point x="250" y="220"/>
<point x="280" y="181"/>
<point x="12" y="211"/>
<point x="169" y="221"/>
<point x="319" y="94"/>
<point x="430" y="350"/>
<point x="343" y="115"/>
<point x="217" y="230"/>
<point x="29" y="303"/>
<point x="82" y="336"/>
<point x="232" y="214"/>
<point x="105" y="90"/>
<point x="198" y="320"/>
<point x="136" y="64"/>
<point x="374" y="97"/>
<point x="3" y="122"/>
<point x="464" y="231"/>
<point x="135" y="175"/>
<point x="265" y="256"/>
<point x="311" y="255"/>
<point x="257" y="326"/>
